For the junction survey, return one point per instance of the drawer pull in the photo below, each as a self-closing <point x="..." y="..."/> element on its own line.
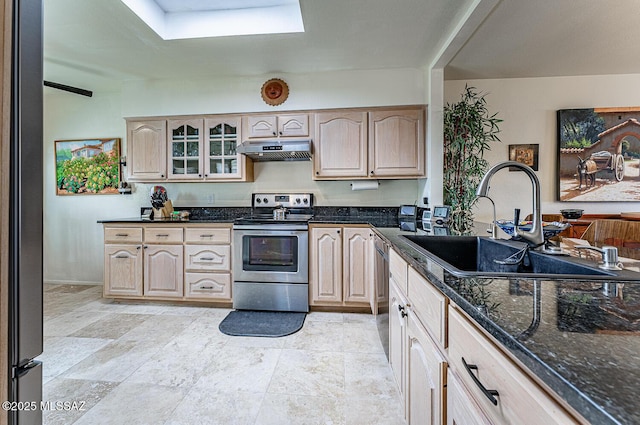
<point x="122" y="256"/>
<point x="206" y="259"/>
<point x="206" y="236"/>
<point x="162" y="235"/>
<point x="206" y="287"/>
<point x="122" y="235"/>
<point x="490" y="394"/>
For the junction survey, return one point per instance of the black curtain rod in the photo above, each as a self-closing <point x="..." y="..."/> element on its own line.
<point x="75" y="90"/>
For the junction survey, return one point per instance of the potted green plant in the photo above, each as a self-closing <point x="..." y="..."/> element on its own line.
<point x="468" y="132"/>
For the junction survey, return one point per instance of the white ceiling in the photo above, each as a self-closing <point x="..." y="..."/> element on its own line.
<point x="95" y="44"/>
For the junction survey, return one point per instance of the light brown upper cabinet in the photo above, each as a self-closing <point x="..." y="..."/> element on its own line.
<point x="396" y="143"/>
<point x="147" y="150"/>
<point x="185" y="148"/>
<point x="340" y="145"/>
<point x="194" y="149"/>
<point x="270" y="126"/>
<point x="221" y="159"/>
<point x="380" y="144"/>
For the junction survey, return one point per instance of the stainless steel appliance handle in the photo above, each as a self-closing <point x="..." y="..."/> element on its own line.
<point x="265" y="229"/>
<point x="382" y="253"/>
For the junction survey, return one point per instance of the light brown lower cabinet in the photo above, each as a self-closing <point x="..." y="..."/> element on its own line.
<point x="168" y="261"/>
<point x="207" y="260"/>
<point x="511" y="395"/>
<point x="210" y="286"/>
<point x="163" y="270"/>
<point x="341" y="266"/>
<point x="123" y="270"/>
<point x="416" y="360"/>
<point x="397" y="337"/>
<point x="426" y="375"/>
<point x="461" y="406"/>
<point x="449" y="370"/>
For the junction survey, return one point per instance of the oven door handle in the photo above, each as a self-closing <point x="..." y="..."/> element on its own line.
<point x="269" y="229"/>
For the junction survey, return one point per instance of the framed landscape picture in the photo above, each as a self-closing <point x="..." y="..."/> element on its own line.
<point x="599" y="155"/>
<point x="525" y="154"/>
<point x="87" y="167"/>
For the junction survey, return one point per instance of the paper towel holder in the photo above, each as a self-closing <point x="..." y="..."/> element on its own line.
<point x="365" y="184"/>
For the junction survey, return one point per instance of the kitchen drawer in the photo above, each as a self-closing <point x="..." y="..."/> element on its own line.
<point x="520" y="400"/>
<point x="461" y="407"/>
<point x="168" y="235"/>
<point x="207" y="257"/>
<point x="123" y="234"/>
<point x="398" y="270"/>
<point x="213" y="235"/>
<point x="208" y="285"/>
<point x="429" y="305"/>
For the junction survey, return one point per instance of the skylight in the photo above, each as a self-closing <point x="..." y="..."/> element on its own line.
<point x="178" y="19"/>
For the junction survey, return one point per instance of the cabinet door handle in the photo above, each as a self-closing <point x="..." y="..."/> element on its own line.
<point x="338" y="231"/>
<point x="490" y="394"/>
<point x="122" y="235"/>
<point x="372" y="173"/>
<point x="138" y="247"/>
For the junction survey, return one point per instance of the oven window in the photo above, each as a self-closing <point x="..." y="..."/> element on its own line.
<point x="270" y="253"/>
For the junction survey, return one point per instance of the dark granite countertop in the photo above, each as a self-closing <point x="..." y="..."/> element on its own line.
<point x="165" y="220"/>
<point x="586" y="345"/>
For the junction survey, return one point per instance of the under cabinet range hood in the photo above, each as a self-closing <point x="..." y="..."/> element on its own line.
<point x="276" y="150"/>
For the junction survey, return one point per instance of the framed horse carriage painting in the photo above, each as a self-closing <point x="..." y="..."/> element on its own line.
<point x="599" y="155"/>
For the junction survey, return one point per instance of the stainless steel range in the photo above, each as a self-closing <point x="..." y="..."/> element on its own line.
<point x="271" y="253"/>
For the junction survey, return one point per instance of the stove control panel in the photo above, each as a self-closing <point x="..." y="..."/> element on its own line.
<point x="286" y="200"/>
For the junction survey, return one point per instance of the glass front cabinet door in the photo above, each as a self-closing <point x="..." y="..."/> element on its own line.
<point x="221" y="160"/>
<point x="185" y="147"/>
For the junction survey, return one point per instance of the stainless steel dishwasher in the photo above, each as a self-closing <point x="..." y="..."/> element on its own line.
<point x="381" y="286"/>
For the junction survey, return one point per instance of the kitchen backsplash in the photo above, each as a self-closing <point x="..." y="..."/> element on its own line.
<point x="375" y="215"/>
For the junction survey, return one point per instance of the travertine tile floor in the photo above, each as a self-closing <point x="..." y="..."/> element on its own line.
<point x="154" y="364"/>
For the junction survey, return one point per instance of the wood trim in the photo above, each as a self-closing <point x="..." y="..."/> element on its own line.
<point x="279" y="113"/>
<point x="5" y="121"/>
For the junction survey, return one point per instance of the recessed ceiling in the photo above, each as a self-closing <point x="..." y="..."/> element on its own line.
<point x="178" y="19"/>
<point x="98" y="44"/>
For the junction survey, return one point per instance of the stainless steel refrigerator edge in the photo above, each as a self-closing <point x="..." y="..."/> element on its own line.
<point x="26" y="209"/>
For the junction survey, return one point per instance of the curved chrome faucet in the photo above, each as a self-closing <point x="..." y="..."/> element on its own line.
<point x="535" y="236"/>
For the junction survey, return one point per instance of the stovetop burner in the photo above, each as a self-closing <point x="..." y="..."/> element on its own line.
<point x="298" y="206"/>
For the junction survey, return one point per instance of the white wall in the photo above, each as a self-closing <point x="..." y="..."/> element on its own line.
<point x="528" y="107"/>
<point x="73" y="240"/>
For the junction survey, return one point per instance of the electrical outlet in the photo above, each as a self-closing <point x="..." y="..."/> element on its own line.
<point x="211" y="199"/>
<point x="425" y="200"/>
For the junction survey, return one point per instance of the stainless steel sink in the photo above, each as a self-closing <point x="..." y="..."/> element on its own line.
<point x="474" y="256"/>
